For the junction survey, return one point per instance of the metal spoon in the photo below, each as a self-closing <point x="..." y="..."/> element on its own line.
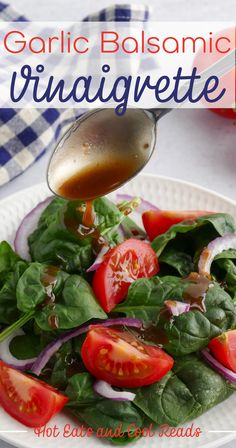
<point x="102" y="151"/>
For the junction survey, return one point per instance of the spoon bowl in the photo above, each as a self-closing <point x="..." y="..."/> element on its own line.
<point x="100" y="152"/>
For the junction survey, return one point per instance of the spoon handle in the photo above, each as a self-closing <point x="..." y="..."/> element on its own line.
<point x="159" y="113"/>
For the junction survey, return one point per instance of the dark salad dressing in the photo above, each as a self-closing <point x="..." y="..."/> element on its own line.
<point x="88" y="227"/>
<point x="99" y="179"/>
<point x="153" y="334"/>
<point x="53" y="322"/>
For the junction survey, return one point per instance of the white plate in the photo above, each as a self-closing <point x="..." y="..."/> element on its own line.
<point x="166" y="193"/>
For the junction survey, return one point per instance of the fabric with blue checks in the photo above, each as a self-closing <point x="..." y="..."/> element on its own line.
<point x="25" y="134"/>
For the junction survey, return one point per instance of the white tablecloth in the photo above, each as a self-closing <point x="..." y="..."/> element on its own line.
<point x="196" y="146"/>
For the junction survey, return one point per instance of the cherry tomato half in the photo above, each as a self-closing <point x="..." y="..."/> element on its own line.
<point x="157" y="222"/>
<point x="223" y="348"/>
<point x="122" y="360"/>
<point x="123" y="264"/>
<point x="27" y="399"/>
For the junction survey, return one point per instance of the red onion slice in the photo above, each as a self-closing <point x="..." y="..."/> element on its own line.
<point x="6" y="356"/>
<point x="27" y="226"/>
<point x="54" y="346"/>
<point x="176" y="308"/>
<point x="144" y="206"/>
<point x="99" y="259"/>
<point x="216" y="365"/>
<point x="105" y="390"/>
<point x="214" y="248"/>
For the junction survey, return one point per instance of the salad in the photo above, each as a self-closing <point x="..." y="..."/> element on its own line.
<point x="117" y="324"/>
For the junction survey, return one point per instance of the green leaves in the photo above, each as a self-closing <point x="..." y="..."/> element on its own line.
<point x="169" y="401"/>
<point x="56" y="240"/>
<point x="75" y="306"/>
<point x="207" y="386"/>
<point x="176" y="262"/>
<point x="30" y="290"/>
<point x="26" y="346"/>
<point x="73" y="301"/>
<point x="190" y="331"/>
<point x="69" y="300"/>
<point x="192" y="387"/>
<point x="80" y="390"/>
<point x="189" y="391"/>
<point x="11" y="269"/>
<point x="8" y="259"/>
<point x="190" y="237"/>
<point x="146" y="297"/>
<point x="101" y="413"/>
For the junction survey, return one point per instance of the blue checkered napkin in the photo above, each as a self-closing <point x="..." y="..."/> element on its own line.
<point x="25" y="134"/>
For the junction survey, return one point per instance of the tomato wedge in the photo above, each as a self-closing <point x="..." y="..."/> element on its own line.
<point x="28" y="400"/>
<point x="123" y="264"/>
<point x="122" y="360"/>
<point x="223" y="348"/>
<point x="157" y="222"/>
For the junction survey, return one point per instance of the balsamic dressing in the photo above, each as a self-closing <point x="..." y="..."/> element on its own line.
<point x="88" y="227"/>
<point x="153" y="334"/>
<point x="89" y="215"/>
<point x="53" y="322"/>
<point x="98" y="179"/>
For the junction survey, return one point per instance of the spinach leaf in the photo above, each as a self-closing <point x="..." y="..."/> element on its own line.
<point x="8" y="260"/>
<point x="193" y="235"/>
<point x="55" y="242"/>
<point x="109" y="417"/>
<point x="146" y="297"/>
<point x="9" y="312"/>
<point x="72" y="299"/>
<point x="190" y="331"/>
<point x="175" y="261"/>
<point x="99" y="412"/>
<point x="26" y="346"/>
<point x="69" y="301"/>
<point x="187" y="392"/>
<point x="66" y="364"/>
<point x="11" y="268"/>
<point x="169" y="401"/>
<point x="30" y="290"/>
<point x="75" y="306"/>
<point x="224" y="267"/>
<point x="80" y="390"/>
<point x="207" y="386"/>
<point x="32" y="287"/>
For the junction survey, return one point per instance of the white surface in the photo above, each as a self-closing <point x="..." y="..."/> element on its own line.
<point x="167" y="193"/>
<point x="192" y="145"/>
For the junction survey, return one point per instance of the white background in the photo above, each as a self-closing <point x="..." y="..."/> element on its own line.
<point x="197" y="145"/>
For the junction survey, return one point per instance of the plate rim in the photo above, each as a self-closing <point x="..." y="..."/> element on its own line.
<point x="186" y="183"/>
